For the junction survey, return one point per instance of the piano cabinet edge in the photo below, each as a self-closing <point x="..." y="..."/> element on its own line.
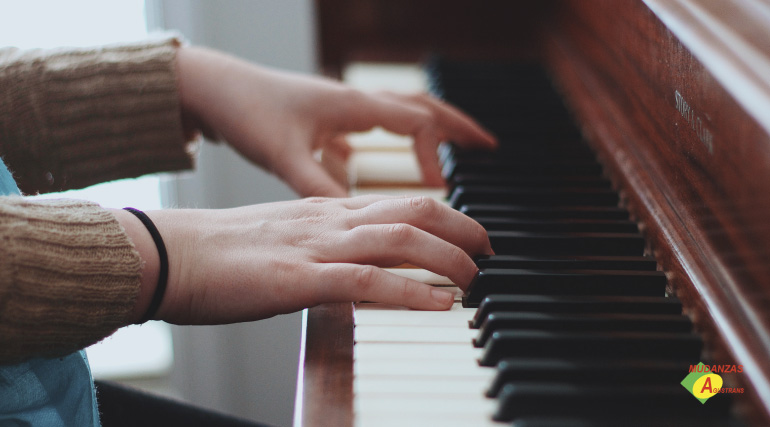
<point x="326" y="374"/>
<point x="711" y="298"/>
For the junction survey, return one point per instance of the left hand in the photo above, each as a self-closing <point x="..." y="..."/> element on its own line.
<point x="253" y="262"/>
<point x="279" y="119"/>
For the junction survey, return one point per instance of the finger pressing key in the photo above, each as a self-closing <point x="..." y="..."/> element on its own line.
<point x="352" y="282"/>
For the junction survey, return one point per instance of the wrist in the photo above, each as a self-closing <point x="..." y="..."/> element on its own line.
<point x="144" y="244"/>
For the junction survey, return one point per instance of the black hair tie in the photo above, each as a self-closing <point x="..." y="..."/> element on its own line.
<point x="160" y="289"/>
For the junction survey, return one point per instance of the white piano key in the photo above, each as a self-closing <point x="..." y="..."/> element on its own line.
<point x="406" y="404"/>
<point x="416" y="334"/>
<point x="391" y="166"/>
<point x="411" y="351"/>
<point x="418" y="368"/>
<point x="399" y="385"/>
<point x="371" y="314"/>
<point x="420" y="420"/>
<point x="423" y="368"/>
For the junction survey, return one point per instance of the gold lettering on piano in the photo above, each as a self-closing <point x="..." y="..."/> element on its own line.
<point x="696" y="123"/>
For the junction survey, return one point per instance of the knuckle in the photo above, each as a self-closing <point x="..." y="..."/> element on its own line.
<point x="405" y="292"/>
<point x="426" y="114"/>
<point x="357" y="97"/>
<point x="364" y="278"/>
<point x="399" y="233"/>
<point x="316" y="200"/>
<point x="457" y="256"/>
<point x="351" y="102"/>
<point x="425" y="207"/>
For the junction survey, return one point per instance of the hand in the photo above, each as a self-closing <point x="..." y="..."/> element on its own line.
<point x="258" y="261"/>
<point x="278" y="119"/>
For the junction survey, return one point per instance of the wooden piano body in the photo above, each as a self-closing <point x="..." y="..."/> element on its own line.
<point x="675" y="98"/>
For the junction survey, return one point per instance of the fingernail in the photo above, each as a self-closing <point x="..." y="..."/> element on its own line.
<point x="442" y="297"/>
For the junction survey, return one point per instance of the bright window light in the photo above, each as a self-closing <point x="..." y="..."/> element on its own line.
<point x="136" y="350"/>
<point x="53" y="23"/>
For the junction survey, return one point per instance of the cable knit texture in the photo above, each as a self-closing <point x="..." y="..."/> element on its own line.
<point x="76" y="117"/>
<point x="69" y="118"/>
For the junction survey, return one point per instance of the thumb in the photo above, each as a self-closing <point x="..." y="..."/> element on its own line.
<point x="308" y="178"/>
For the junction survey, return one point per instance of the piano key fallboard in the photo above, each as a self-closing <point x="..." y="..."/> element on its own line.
<point x="567" y="324"/>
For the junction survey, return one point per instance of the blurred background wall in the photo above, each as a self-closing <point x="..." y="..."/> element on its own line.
<point x="245" y="369"/>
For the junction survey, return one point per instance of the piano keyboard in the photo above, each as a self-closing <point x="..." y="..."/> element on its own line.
<point x="568" y="324"/>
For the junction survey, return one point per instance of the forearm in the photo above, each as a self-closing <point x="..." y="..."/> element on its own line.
<point x="75" y="117"/>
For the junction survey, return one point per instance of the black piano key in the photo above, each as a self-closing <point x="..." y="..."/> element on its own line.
<point x="516" y="150"/>
<point x="567" y="262"/>
<point x="622" y="372"/>
<point x="565" y="282"/>
<point x="532" y="182"/>
<point x="522" y="168"/>
<point x="544" y="212"/>
<point x="538" y="142"/>
<point x="596" y="345"/>
<point x="466" y="195"/>
<point x="471" y="74"/>
<point x="568" y="225"/>
<point x="512" y="96"/>
<point x="541" y="243"/>
<point x="569" y="400"/>
<point x="582" y="322"/>
<point x="573" y="304"/>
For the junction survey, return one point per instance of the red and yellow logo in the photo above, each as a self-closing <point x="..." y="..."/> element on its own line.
<point x="704" y="383"/>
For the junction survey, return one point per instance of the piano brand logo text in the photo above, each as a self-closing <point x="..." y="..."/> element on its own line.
<point x="703" y="381"/>
<point x="696" y="123"/>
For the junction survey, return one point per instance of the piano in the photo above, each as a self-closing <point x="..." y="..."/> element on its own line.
<point x="628" y="205"/>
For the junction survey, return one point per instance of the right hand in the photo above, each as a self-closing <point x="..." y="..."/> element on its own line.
<point x="279" y="119"/>
<point x="257" y="261"/>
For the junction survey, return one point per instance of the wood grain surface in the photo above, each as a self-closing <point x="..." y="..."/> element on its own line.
<point x="326" y="373"/>
<point x="697" y="176"/>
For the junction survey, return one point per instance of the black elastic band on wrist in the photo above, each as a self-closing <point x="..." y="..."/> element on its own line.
<point x="160" y="289"/>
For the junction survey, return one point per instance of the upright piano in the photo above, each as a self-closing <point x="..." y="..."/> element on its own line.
<point x="628" y="205"/>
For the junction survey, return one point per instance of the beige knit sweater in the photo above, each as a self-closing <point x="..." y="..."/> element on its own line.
<point x="70" y="118"/>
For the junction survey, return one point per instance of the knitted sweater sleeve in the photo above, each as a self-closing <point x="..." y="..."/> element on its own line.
<point x="70" y="118"/>
<point x="69" y="276"/>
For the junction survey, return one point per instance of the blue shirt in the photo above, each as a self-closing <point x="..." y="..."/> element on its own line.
<point x="46" y="392"/>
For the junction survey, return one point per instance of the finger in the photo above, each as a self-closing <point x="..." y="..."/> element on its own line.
<point x="395" y="115"/>
<point x="308" y="178"/>
<point x="340" y="147"/>
<point x="426" y="149"/>
<point x="405" y="118"/>
<point x="353" y="282"/>
<point x="441" y="122"/>
<point x="334" y="159"/>
<point x="387" y="245"/>
<point x="360" y="202"/>
<point x="429" y="215"/>
<point x="456" y="125"/>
